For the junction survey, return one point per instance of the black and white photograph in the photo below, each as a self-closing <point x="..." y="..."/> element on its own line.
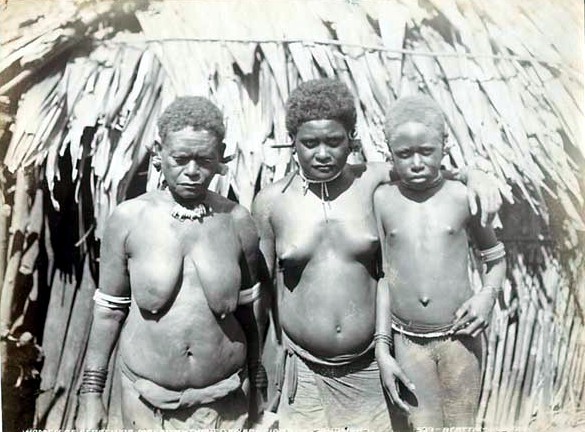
<point x="294" y="215"/>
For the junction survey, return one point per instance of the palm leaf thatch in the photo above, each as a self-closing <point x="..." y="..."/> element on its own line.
<point x="506" y="75"/>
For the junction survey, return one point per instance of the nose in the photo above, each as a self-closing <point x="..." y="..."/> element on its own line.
<point x="192" y="170"/>
<point x="322" y="155"/>
<point x="417" y="163"/>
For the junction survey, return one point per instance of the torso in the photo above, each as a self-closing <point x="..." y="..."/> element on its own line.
<point x="326" y="264"/>
<point x="427" y="249"/>
<point x="183" y="275"/>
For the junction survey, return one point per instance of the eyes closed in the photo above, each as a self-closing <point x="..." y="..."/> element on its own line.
<point x="201" y="160"/>
<point x="423" y="151"/>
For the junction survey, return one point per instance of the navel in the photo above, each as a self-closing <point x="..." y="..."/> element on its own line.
<point x="450" y="230"/>
<point x="424" y="301"/>
<point x="338" y="329"/>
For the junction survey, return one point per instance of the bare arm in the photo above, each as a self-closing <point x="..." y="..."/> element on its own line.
<point x="474" y="315"/>
<point x="107" y="322"/>
<point x="389" y="370"/>
<point x="250" y="312"/>
<point x="261" y="210"/>
<point x="482" y="188"/>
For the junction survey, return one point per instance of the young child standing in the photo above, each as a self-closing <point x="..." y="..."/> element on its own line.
<point x="425" y="303"/>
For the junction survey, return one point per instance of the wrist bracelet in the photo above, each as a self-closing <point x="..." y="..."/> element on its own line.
<point x="258" y="376"/>
<point x="93" y="380"/>
<point x="383" y="339"/>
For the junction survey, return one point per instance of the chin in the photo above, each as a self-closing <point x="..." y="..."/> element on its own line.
<point x="192" y="196"/>
<point x="322" y="176"/>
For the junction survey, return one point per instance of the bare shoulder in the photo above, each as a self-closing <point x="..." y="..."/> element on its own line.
<point x="456" y="190"/>
<point x="268" y="195"/>
<point x="219" y="203"/>
<point x="385" y="196"/>
<point x="130" y="211"/>
<point x="128" y="214"/>
<point x="379" y="172"/>
<point x="386" y="191"/>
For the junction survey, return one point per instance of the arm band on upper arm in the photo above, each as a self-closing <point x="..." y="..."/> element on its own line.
<point x="493" y="253"/>
<point x="110" y="301"/>
<point x="250" y="295"/>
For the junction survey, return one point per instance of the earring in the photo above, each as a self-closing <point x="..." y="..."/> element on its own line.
<point x="222" y="169"/>
<point x="447" y="144"/>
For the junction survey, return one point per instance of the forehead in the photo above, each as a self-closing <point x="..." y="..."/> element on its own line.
<point x="192" y="141"/>
<point x="414" y="133"/>
<point x="315" y="128"/>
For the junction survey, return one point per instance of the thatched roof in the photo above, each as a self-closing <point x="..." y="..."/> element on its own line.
<point x="505" y="74"/>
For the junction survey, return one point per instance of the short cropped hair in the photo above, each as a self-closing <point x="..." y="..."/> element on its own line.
<point x="195" y="111"/>
<point x="419" y="108"/>
<point x="320" y="99"/>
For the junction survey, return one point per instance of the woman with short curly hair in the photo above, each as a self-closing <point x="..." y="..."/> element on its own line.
<point x="177" y="285"/>
<point x="319" y="239"/>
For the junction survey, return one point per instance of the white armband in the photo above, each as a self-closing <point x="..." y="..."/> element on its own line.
<point x="110" y="301"/>
<point x="250" y="295"/>
<point x="493" y="253"/>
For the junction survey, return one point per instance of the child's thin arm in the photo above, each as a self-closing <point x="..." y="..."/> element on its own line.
<point x="474" y="315"/>
<point x="390" y="372"/>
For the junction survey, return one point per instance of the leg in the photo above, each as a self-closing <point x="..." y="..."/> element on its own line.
<point x="306" y="411"/>
<point x="353" y="396"/>
<point x="460" y="373"/>
<point x="137" y="414"/>
<point x="416" y="358"/>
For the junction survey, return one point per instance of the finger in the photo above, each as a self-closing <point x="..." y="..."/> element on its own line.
<point x="396" y="399"/>
<point x="506" y="192"/>
<point x="461" y="312"/>
<point x="408" y="383"/>
<point x="473" y="326"/>
<point x="471" y="199"/>
<point x="484" y="206"/>
<point x="478" y="331"/>
<point x="497" y="200"/>
<point x="462" y="322"/>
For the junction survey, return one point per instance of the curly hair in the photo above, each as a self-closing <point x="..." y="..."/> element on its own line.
<point x="195" y="111"/>
<point x="320" y="99"/>
<point x="418" y="108"/>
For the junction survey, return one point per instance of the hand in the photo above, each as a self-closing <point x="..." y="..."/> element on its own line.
<point x="489" y="190"/>
<point x="474" y="315"/>
<point x="390" y="373"/>
<point x="258" y="391"/>
<point x="256" y="404"/>
<point x="91" y="413"/>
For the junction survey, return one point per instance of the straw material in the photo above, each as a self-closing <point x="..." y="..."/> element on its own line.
<point x="506" y="75"/>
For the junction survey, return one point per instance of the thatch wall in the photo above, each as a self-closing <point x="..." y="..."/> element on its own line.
<point x="82" y="99"/>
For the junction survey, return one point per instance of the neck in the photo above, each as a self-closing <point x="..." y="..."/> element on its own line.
<point x="189" y="204"/>
<point x="423" y="191"/>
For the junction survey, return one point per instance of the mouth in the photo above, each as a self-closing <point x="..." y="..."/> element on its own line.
<point x="418" y="179"/>
<point x="324" y="168"/>
<point x="191" y="185"/>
